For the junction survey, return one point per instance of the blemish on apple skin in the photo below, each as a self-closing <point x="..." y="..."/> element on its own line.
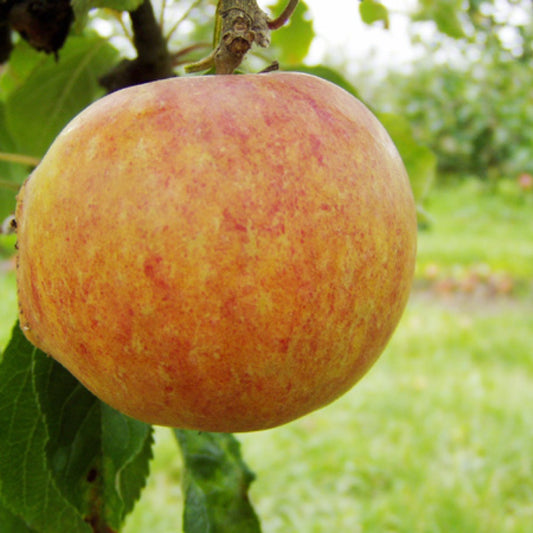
<point x="83" y="349"/>
<point x="316" y="145"/>
<point x="232" y="221"/>
<point x="284" y="345"/>
<point x="153" y="269"/>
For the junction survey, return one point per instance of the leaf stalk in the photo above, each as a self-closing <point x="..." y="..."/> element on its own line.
<point x="20" y="159"/>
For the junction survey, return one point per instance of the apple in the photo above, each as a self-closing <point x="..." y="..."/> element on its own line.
<point x="220" y="253"/>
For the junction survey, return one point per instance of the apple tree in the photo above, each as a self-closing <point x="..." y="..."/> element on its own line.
<point x="69" y="462"/>
<point x="469" y="96"/>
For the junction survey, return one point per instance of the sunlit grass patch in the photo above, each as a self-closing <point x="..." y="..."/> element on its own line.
<point x="472" y="226"/>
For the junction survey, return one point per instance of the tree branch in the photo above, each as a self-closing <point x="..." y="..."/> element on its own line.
<point x="153" y="61"/>
<point x="284" y="17"/>
<point x="239" y="24"/>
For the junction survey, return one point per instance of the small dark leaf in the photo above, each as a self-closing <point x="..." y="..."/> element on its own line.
<point x="45" y="24"/>
<point x="215" y="483"/>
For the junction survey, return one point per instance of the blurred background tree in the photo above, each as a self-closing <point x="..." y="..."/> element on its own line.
<point x="468" y="96"/>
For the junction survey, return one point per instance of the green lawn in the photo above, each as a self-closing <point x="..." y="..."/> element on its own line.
<point x="475" y="228"/>
<point x="438" y="437"/>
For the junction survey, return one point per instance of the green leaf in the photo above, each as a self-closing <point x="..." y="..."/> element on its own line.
<point x="215" y="483"/>
<point x="11" y="523"/>
<point x="126" y="449"/>
<point x="291" y="43"/>
<point x="90" y="458"/>
<point x="445" y="14"/>
<point x="71" y="415"/>
<point x="54" y="92"/>
<point x="372" y="11"/>
<point x="27" y="487"/>
<point x="11" y="174"/>
<point x="22" y="61"/>
<point x="419" y="160"/>
<point x="448" y="22"/>
<point x="81" y="10"/>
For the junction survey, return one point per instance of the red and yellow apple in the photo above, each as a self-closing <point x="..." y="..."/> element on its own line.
<point x="223" y="253"/>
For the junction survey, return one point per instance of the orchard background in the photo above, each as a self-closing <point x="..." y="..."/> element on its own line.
<point x="438" y="436"/>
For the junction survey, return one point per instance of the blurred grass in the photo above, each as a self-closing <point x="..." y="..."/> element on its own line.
<point x="8" y="306"/>
<point x="474" y="224"/>
<point x="438" y="437"/>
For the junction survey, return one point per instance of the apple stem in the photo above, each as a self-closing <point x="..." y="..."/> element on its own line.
<point x="238" y="25"/>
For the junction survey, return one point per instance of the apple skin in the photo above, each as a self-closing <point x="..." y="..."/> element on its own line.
<point x="220" y="253"/>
